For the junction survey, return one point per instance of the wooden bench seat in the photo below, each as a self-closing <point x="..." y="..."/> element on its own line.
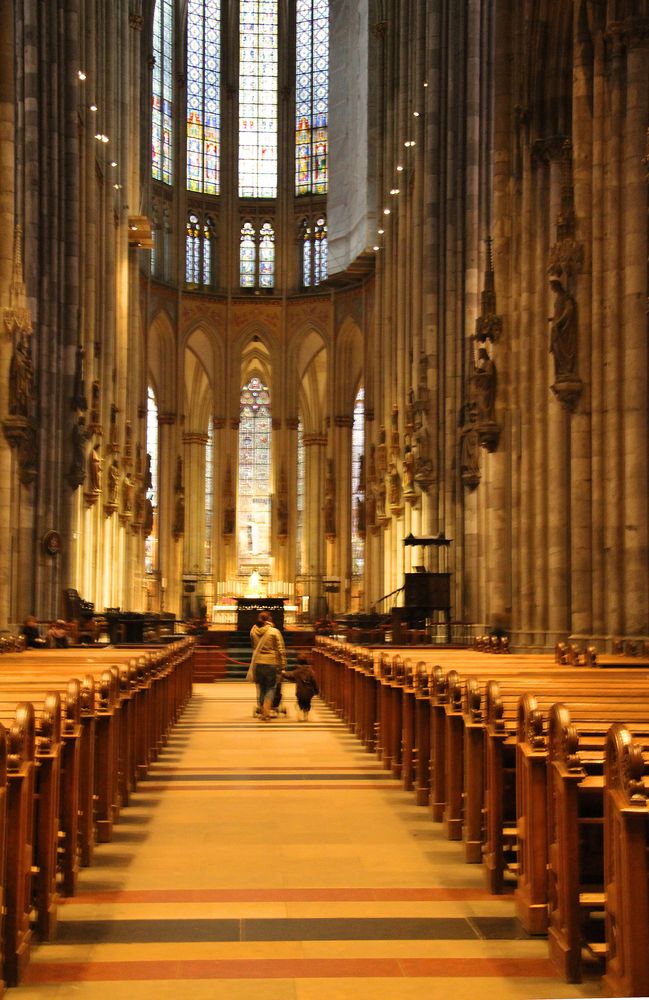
<point x="626" y="863"/>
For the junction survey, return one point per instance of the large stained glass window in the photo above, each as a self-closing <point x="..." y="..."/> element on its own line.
<point x="358" y="486"/>
<point x="311" y="96"/>
<point x="247" y="256"/>
<point x="209" y="495"/>
<point x="254" y="502"/>
<point x="203" y="89"/>
<point x="151" y="543"/>
<point x="162" y="111"/>
<point x="266" y="256"/>
<point x="314" y="252"/>
<point x="258" y="52"/>
<point x="199" y="250"/>
<point x="257" y="256"/>
<point x="193" y="251"/>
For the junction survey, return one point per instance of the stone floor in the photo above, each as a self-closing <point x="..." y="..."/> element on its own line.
<point x="280" y="861"/>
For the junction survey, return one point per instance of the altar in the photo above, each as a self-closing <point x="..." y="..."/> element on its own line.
<point x="248" y="609"/>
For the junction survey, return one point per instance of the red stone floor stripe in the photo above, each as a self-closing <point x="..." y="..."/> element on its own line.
<point x="269" y="786"/>
<point x="308" y="968"/>
<point x="288" y="895"/>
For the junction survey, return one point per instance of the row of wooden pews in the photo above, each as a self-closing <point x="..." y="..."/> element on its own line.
<point x="515" y="755"/>
<point x="78" y="728"/>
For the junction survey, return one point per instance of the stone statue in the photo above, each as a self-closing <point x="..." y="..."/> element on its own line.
<point x="330" y="500"/>
<point x="394" y="434"/>
<point x="113" y="482"/>
<point x="228" y="517"/>
<point x="360" y="515"/>
<point x="77" y="473"/>
<point x="395" y="486"/>
<point x="21" y="378"/>
<point x="113" y="437"/>
<point x="563" y="331"/>
<point x="95" y="466"/>
<point x="381" y="453"/>
<point x="282" y="516"/>
<point x="147" y="520"/>
<point x="470" y="450"/>
<point x="370" y="512"/>
<point x="179" y="515"/>
<point x="483" y="384"/>
<point x="408" y="470"/>
<point x="381" y="494"/>
<point x="128" y="493"/>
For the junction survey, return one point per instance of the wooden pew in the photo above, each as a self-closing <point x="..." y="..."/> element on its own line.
<point x="576" y="889"/>
<point x="3" y="847"/>
<point x="626" y="864"/>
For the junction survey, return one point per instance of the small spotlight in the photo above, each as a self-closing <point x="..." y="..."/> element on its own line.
<point x="118" y="187"/>
<point x="92" y="107"/>
<point x="394" y="190"/>
<point x="415" y="114"/>
<point x="386" y="211"/>
<point x="376" y="248"/>
<point x="81" y="74"/>
<point x="380" y="231"/>
<point x="425" y="83"/>
<point x="113" y="163"/>
<point x="98" y="136"/>
<point x="399" y="168"/>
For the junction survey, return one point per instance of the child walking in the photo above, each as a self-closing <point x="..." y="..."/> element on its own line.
<point x="306" y="685"/>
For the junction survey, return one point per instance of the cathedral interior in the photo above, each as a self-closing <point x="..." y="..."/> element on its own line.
<point x="286" y="284"/>
<point x="332" y="310"/>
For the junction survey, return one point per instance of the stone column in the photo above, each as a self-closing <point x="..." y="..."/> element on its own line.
<point x="194" y="443"/>
<point x="635" y="154"/>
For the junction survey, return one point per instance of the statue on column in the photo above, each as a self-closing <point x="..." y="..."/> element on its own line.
<point x="179" y="509"/>
<point x="21" y="378"/>
<point x="112" y="485"/>
<point x="330" y="501"/>
<point x="128" y="495"/>
<point x="470" y="450"/>
<point x="395" y="490"/>
<point x="77" y="471"/>
<point x="563" y="330"/>
<point x="95" y="466"/>
<point x="409" y="491"/>
<point x="382" y="453"/>
<point x="381" y="496"/>
<point x="95" y="409"/>
<point x="395" y="446"/>
<point x="482" y="392"/>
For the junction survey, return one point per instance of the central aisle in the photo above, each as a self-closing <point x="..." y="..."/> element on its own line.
<point x="279" y="861"/>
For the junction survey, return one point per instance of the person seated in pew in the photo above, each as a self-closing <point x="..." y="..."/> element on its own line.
<point x="32" y="633"/>
<point x="57" y="635"/>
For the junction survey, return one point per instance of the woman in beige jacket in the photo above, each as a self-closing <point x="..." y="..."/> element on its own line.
<point x="268" y="658"/>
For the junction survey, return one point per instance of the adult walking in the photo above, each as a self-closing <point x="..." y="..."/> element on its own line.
<point x="268" y="660"/>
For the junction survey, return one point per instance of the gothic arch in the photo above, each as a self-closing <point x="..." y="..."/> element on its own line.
<point x="348" y="367"/>
<point x="162" y="372"/>
<point x="308" y="358"/>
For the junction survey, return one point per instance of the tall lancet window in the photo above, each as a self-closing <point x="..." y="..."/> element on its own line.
<point x="162" y="110"/>
<point x="151" y="543"/>
<point x="254" y="502"/>
<point x="209" y="495"/>
<point x="358" y="486"/>
<point x="203" y="89"/>
<point x="311" y="96"/>
<point x="258" y="58"/>
<point x="314" y="252"/>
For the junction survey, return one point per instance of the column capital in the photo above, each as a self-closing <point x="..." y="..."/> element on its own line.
<point x="219" y="423"/>
<point x="195" y="437"/>
<point x="343" y="420"/>
<point x="318" y="439"/>
<point x="168" y="417"/>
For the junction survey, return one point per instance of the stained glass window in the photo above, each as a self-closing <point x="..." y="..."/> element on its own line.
<point x="358" y="487"/>
<point x="162" y="92"/>
<point x="208" y="250"/>
<point x="209" y="495"/>
<point x="151" y="543"/>
<point x="247" y="256"/>
<point x="266" y="256"/>
<point x="311" y="96"/>
<point x="192" y="251"/>
<point x="314" y="252"/>
<point x="203" y="90"/>
<point x="258" y="52"/>
<point x="254" y="501"/>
